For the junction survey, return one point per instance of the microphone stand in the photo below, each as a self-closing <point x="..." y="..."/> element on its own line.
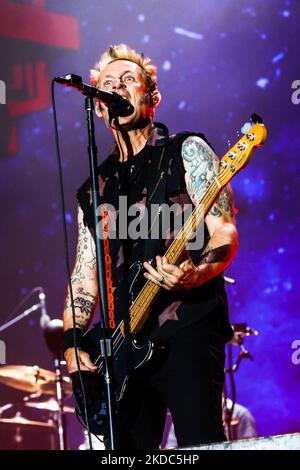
<point x="244" y="353"/>
<point x="19" y="317"/>
<point x="105" y="346"/>
<point x="229" y="412"/>
<point x="60" y="414"/>
<point x="53" y="334"/>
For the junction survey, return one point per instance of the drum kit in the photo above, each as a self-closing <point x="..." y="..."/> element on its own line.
<point x="44" y="392"/>
<point x="40" y="391"/>
<point x="39" y="387"/>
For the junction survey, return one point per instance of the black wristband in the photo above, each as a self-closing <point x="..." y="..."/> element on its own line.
<point x="69" y="338"/>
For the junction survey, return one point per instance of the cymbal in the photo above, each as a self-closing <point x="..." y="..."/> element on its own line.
<point x="20" y="421"/>
<point x="50" y="405"/>
<point x="32" y="379"/>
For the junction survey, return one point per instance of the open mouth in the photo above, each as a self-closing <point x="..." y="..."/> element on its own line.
<point x="123" y="96"/>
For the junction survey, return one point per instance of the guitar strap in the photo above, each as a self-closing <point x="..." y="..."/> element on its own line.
<point x="157" y="193"/>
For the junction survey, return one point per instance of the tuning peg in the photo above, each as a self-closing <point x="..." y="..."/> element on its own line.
<point x="256" y="119"/>
<point x="246" y="127"/>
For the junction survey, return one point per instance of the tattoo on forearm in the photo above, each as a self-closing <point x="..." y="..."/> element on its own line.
<point x="83" y="245"/>
<point x="92" y="262"/>
<point x="77" y="276"/>
<point x="81" y="321"/>
<point x="80" y="245"/>
<point x="224" y="204"/>
<point x="85" y="306"/>
<point x="83" y="275"/>
<point x="215" y="255"/>
<point x="81" y="291"/>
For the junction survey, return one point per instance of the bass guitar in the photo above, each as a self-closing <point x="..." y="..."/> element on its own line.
<point x="129" y="353"/>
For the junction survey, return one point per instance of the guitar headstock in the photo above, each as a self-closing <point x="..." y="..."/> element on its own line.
<point x="240" y="154"/>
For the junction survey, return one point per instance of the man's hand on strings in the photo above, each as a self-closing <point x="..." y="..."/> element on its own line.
<point x="171" y="277"/>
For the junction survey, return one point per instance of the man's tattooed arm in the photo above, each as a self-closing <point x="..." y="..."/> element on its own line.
<point x="224" y="204"/>
<point x="84" y="308"/>
<point x="83" y="280"/>
<point x="202" y="166"/>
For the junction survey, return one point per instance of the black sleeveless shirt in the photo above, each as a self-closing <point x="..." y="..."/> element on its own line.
<point x="139" y="180"/>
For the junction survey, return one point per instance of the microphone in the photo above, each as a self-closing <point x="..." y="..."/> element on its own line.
<point x="115" y="102"/>
<point x="53" y="334"/>
<point x="45" y="319"/>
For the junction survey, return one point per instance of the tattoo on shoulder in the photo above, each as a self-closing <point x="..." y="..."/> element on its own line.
<point x="201" y="165"/>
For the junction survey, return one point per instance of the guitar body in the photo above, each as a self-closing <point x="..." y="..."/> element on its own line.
<point x="132" y="358"/>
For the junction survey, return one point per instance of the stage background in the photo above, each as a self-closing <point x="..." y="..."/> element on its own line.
<point x="218" y="62"/>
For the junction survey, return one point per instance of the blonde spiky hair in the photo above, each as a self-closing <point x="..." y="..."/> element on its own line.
<point x="124" y="52"/>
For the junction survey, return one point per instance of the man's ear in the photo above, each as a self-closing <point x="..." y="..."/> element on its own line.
<point x="156" y="98"/>
<point x="98" y="109"/>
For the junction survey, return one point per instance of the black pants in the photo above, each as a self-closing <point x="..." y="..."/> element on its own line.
<point x="189" y="383"/>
